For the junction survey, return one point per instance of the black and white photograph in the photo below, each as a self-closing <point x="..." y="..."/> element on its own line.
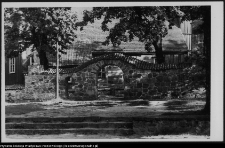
<point x="98" y="71"/>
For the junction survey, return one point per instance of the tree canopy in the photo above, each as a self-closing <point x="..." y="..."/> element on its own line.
<point x="41" y="28"/>
<point x="145" y="23"/>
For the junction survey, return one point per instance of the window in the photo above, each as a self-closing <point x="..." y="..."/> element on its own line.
<point x="12" y="65"/>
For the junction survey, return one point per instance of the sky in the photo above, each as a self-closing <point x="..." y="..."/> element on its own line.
<point x="79" y="11"/>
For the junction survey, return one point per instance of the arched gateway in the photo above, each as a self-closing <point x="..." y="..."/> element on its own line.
<point x="140" y="79"/>
<point x="110" y="82"/>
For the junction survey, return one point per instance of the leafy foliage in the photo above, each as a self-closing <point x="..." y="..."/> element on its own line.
<point x="41" y="28"/>
<point x="197" y="72"/>
<point x="202" y="59"/>
<point x="145" y="23"/>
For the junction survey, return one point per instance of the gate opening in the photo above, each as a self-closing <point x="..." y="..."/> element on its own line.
<point x="110" y="83"/>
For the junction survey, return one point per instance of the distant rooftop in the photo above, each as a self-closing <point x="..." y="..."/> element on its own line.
<point x="174" y="40"/>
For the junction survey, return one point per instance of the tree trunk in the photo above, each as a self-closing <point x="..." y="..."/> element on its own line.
<point x="39" y="40"/>
<point x="207" y="52"/>
<point x="43" y="59"/>
<point x="158" y="51"/>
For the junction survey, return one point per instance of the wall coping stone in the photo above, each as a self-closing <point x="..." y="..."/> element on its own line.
<point x="138" y="64"/>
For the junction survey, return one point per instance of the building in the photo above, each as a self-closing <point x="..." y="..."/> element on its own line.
<point x="16" y="67"/>
<point x="14" y="70"/>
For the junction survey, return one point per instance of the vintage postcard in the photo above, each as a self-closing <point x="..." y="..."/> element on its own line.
<point x="112" y="72"/>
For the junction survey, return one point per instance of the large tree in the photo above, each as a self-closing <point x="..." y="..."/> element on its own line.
<point x="148" y="25"/>
<point x="41" y="28"/>
<point x="145" y="23"/>
<point x="202" y="13"/>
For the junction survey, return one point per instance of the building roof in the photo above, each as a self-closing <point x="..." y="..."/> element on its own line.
<point x="174" y="40"/>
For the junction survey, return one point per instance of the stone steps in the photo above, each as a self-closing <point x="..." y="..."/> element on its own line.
<point x="76" y="125"/>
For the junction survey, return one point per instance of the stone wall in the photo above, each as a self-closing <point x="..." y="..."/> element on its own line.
<point x="78" y="86"/>
<point x="74" y="86"/>
<point x="40" y="83"/>
<point x="39" y="86"/>
<point x="151" y="85"/>
<point x="82" y="85"/>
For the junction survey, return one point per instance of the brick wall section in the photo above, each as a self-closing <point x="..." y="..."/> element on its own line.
<point x="138" y="83"/>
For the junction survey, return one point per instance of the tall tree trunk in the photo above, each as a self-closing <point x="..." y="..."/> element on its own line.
<point x="158" y="51"/>
<point x="38" y="42"/>
<point x="43" y="59"/>
<point x="207" y="52"/>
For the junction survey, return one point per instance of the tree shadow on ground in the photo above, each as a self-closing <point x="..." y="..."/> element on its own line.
<point x="183" y="109"/>
<point x="176" y="105"/>
<point x="138" y="103"/>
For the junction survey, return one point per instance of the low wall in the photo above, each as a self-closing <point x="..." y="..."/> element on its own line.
<point x="39" y="86"/>
<point x="82" y="85"/>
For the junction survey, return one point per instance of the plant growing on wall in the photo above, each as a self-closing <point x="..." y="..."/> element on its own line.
<point x="40" y="27"/>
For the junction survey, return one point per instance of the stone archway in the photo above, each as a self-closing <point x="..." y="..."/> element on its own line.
<point x="110" y="82"/>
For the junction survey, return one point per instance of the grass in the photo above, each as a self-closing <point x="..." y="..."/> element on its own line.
<point x="172" y="128"/>
<point x="22" y="109"/>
